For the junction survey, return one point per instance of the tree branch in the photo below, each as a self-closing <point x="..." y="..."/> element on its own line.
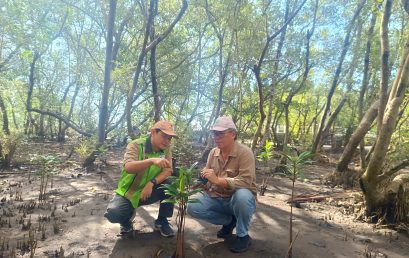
<point x="62" y="118"/>
<point x="162" y="36"/>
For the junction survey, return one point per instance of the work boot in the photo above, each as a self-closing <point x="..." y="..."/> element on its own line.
<point x="241" y="244"/>
<point x="125" y="230"/>
<point x="227" y="230"/>
<point x="164" y="227"/>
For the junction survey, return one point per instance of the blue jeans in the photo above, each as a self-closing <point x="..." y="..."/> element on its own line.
<point x="120" y="209"/>
<point x="219" y="211"/>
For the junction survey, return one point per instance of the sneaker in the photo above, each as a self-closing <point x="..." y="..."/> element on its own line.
<point x="241" y="244"/>
<point x="227" y="230"/>
<point x="164" y="227"/>
<point x="125" y="230"/>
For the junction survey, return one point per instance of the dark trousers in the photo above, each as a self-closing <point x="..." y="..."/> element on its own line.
<point x="120" y="209"/>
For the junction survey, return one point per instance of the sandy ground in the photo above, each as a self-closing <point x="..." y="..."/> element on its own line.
<point x="77" y="227"/>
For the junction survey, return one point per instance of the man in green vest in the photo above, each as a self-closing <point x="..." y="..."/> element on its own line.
<point x="147" y="164"/>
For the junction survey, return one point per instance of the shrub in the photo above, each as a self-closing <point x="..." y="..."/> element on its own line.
<point x="8" y="147"/>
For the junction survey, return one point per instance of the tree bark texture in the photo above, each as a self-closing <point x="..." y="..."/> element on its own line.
<point x="345" y="47"/>
<point x="152" y="61"/>
<point x="357" y="136"/>
<point x="383" y="89"/>
<point x="257" y="70"/>
<point x="144" y="50"/>
<point x="365" y="83"/>
<point x="274" y="78"/>
<point x="103" y="107"/>
<point x="307" y="69"/>
<point x="370" y="180"/>
<point x="3" y="109"/>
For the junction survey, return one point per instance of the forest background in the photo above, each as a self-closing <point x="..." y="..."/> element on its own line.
<point x="298" y="73"/>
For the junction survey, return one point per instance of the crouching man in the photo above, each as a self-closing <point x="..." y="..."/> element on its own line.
<point x="147" y="164"/>
<point x="229" y="196"/>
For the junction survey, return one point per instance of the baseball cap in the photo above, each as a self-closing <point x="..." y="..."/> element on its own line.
<point x="166" y="127"/>
<point x="223" y="123"/>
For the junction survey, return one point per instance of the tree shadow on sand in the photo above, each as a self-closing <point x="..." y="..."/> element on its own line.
<point x="258" y="249"/>
<point x="147" y="245"/>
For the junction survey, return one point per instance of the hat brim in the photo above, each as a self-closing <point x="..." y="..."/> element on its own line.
<point x="219" y="128"/>
<point x="170" y="133"/>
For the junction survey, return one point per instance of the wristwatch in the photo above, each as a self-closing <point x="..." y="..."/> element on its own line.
<point x="154" y="182"/>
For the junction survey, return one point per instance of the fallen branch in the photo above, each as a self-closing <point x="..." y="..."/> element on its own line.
<point x="317" y="198"/>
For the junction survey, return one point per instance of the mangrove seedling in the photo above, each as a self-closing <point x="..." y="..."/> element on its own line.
<point x="265" y="156"/>
<point x="180" y="192"/>
<point x="293" y="172"/>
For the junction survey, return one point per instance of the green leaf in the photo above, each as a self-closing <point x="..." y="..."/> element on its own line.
<point x="169" y="201"/>
<point x="194" y="201"/>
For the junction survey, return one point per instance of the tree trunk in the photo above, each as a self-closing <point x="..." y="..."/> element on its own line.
<point x="370" y="180"/>
<point x="257" y="69"/>
<point x="103" y="107"/>
<point x="223" y="71"/>
<point x="383" y="89"/>
<point x="331" y="120"/>
<point x="152" y="61"/>
<point x="6" y="129"/>
<point x="146" y="48"/>
<point x="63" y="129"/>
<point x="36" y="56"/>
<point x="41" y="131"/>
<point x="357" y="136"/>
<point x="31" y="82"/>
<point x="274" y="79"/>
<point x="365" y="82"/>
<point x="345" y="47"/>
<point x="257" y="134"/>
<point x="302" y="84"/>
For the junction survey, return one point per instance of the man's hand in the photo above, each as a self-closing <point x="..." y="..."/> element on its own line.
<point x="209" y="174"/>
<point x="146" y="191"/>
<point x="160" y="162"/>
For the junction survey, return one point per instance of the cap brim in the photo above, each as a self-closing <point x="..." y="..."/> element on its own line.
<point x="219" y="128"/>
<point x="173" y="134"/>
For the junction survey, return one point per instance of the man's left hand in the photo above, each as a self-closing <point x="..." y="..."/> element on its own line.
<point x="210" y="175"/>
<point x="146" y="191"/>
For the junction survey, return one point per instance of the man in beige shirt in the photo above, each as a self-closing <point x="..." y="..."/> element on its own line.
<point x="229" y="198"/>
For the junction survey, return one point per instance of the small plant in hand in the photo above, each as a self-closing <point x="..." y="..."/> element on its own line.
<point x="265" y="156"/>
<point x="180" y="192"/>
<point x="293" y="170"/>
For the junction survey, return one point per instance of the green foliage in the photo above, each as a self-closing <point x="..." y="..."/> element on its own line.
<point x="8" y="147"/>
<point x="266" y="153"/>
<point x="294" y="164"/>
<point x="293" y="171"/>
<point x="398" y="149"/>
<point x="181" y="189"/>
<point x="102" y="150"/>
<point x="183" y="151"/>
<point x="46" y="163"/>
<point x="86" y="147"/>
<point x="265" y="156"/>
<point x="47" y="168"/>
<point x="180" y="192"/>
<point x="68" y="74"/>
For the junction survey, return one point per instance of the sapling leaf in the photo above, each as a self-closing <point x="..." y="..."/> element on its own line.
<point x="168" y="201"/>
<point x="180" y="192"/>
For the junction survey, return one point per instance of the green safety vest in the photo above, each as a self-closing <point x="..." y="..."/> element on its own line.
<point x="130" y="185"/>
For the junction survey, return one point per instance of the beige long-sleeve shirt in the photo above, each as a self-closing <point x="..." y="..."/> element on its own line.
<point x="239" y="170"/>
